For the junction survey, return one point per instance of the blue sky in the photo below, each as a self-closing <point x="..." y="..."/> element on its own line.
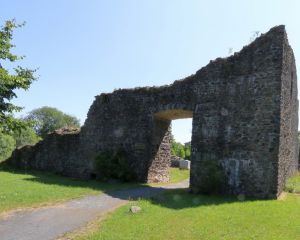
<point x="84" y="48"/>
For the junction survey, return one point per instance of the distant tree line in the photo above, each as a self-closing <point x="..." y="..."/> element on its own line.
<point x="36" y="125"/>
<point x="48" y="119"/>
<point x="180" y="150"/>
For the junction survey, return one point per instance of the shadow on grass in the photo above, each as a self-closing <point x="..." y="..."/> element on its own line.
<point x="49" y="178"/>
<point x="182" y="198"/>
<point x="160" y="195"/>
<point x="175" y="198"/>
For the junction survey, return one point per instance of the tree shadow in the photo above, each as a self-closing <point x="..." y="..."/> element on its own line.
<point x="183" y="198"/>
<point x="175" y="198"/>
<point x="50" y="178"/>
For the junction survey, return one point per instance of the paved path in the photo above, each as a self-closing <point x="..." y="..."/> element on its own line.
<point x="52" y="222"/>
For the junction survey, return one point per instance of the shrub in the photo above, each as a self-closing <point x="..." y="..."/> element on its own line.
<point x="212" y="177"/>
<point x="293" y="184"/>
<point x="25" y="136"/>
<point x="113" y="165"/>
<point x="7" y="145"/>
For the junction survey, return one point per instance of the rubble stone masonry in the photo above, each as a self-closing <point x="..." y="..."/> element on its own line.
<point x="245" y="120"/>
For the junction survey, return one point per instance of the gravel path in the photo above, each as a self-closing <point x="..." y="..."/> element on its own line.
<point x="52" y="222"/>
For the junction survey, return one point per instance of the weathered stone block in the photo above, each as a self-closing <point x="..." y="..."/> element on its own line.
<point x="185" y="164"/>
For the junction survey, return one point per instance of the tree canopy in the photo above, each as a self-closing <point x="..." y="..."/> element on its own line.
<point x="180" y="150"/>
<point x="19" y="138"/>
<point x="7" y="145"/>
<point x="10" y="81"/>
<point x="49" y="119"/>
<point x="25" y="136"/>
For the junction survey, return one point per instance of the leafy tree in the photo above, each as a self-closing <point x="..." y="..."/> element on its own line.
<point x="49" y="119"/>
<point x="26" y="136"/>
<point x="20" y="137"/>
<point x="187" y="150"/>
<point x="10" y="81"/>
<point x="7" y="145"/>
<point x="180" y="150"/>
<point x="177" y="148"/>
<point x="113" y="165"/>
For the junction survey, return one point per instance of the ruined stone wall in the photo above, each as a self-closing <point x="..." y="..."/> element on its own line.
<point x="288" y="145"/>
<point x="58" y="153"/>
<point x="244" y="114"/>
<point x="241" y="128"/>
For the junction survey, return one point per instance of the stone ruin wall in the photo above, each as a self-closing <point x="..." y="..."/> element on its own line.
<point x="288" y="159"/>
<point x="245" y="118"/>
<point x="56" y="153"/>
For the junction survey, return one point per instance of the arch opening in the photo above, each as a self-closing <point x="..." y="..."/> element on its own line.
<point x="173" y="114"/>
<point x="160" y="164"/>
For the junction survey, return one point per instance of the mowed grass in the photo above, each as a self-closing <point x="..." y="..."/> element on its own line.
<point x="177" y="175"/>
<point x="18" y="190"/>
<point x="180" y="215"/>
<point x="33" y="189"/>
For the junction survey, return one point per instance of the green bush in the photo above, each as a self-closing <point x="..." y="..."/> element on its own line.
<point x="212" y="177"/>
<point x="26" y="136"/>
<point x="180" y="150"/>
<point x="7" y="145"/>
<point x="187" y="152"/>
<point x="113" y="165"/>
<point x="293" y="184"/>
<point x="48" y="119"/>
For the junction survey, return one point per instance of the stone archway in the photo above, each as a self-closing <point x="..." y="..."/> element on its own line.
<point x="161" y="153"/>
<point x="245" y="121"/>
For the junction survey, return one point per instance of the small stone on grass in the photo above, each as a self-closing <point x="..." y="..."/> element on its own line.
<point x="135" y="209"/>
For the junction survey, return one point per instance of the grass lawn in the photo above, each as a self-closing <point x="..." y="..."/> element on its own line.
<point x="177" y="175"/>
<point x="180" y="215"/>
<point x="31" y="189"/>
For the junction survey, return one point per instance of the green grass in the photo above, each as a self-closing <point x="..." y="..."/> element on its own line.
<point x="32" y="189"/>
<point x="180" y="215"/>
<point x="177" y="175"/>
